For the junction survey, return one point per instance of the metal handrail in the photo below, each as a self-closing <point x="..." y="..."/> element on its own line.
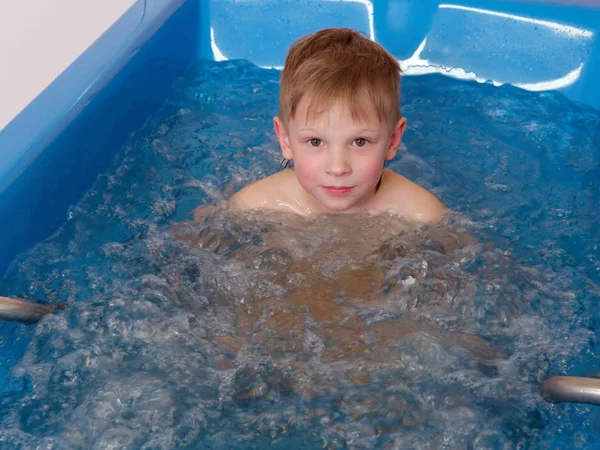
<point x="571" y="389"/>
<point x="23" y="311"/>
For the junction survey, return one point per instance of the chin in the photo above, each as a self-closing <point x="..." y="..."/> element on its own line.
<point x="340" y="207"/>
<point x="337" y="205"/>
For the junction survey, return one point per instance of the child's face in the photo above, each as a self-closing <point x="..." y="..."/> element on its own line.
<point x="338" y="161"/>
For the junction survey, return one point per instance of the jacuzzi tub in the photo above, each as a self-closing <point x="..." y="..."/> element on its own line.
<point x="54" y="150"/>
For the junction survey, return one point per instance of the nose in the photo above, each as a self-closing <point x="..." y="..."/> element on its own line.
<point x="338" y="163"/>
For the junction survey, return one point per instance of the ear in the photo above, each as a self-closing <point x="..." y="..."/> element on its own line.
<point x="395" y="139"/>
<point x="283" y="138"/>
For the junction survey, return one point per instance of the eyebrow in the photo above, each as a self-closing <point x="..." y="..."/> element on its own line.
<point x="362" y="130"/>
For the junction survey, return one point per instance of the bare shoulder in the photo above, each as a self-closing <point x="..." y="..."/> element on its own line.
<point x="410" y="200"/>
<point x="263" y="194"/>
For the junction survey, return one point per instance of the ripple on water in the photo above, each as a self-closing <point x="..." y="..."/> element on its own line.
<point x="345" y="332"/>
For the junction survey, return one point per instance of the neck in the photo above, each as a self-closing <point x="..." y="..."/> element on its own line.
<point x="378" y="183"/>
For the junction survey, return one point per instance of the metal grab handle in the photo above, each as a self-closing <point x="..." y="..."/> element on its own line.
<point x="571" y="389"/>
<point x="23" y="311"/>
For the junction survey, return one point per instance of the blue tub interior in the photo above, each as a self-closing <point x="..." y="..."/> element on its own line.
<point x="47" y="170"/>
<point x="92" y="109"/>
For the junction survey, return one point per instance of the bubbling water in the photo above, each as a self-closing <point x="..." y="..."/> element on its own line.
<point x="260" y="329"/>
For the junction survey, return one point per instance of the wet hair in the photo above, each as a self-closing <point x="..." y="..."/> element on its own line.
<point x="339" y="64"/>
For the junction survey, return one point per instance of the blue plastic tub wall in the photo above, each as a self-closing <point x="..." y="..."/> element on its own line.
<point x="52" y="152"/>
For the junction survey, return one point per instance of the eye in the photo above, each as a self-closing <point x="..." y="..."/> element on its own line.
<point x="360" y="142"/>
<point x="315" y="142"/>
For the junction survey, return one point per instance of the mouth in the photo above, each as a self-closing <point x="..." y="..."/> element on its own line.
<point x="338" y="190"/>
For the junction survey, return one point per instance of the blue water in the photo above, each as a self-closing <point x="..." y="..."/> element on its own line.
<point x="339" y="332"/>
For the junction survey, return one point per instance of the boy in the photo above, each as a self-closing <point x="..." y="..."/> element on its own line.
<point x="339" y="121"/>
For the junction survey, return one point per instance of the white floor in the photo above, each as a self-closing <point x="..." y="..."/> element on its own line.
<point x="40" y="38"/>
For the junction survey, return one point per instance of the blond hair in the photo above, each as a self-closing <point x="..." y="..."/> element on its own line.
<point x="339" y="64"/>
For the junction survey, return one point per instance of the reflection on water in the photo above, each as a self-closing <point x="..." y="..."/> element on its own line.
<point x="268" y="330"/>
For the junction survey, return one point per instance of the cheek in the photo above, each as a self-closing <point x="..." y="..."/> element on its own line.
<point x="306" y="170"/>
<point x="371" y="169"/>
